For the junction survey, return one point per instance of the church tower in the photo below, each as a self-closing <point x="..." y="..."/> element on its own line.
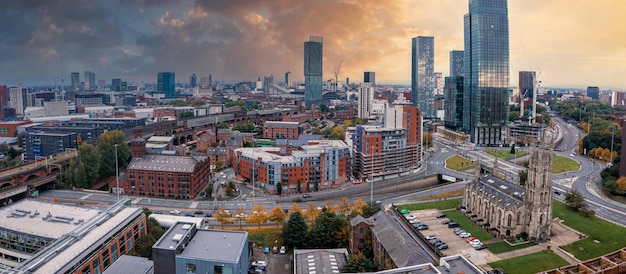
<point x="538" y="196"/>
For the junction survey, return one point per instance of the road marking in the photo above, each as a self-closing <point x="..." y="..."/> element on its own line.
<point x="86" y="197"/>
<point x="194" y="205"/>
<point x="135" y="201"/>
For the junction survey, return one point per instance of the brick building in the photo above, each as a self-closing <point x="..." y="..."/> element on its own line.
<point x="281" y="130"/>
<point x="223" y="134"/>
<point x="8" y="129"/>
<point x="206" y="139"/>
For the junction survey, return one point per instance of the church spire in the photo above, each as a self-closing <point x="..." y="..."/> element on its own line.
<point x="477" y="169"/>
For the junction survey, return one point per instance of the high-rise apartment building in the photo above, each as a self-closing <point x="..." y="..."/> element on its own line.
<point x="267" y="84"/>
<point x="593" y="92"/>
<point x="366" y="96"/>
<point x="369" y="77"/>
<point x="90" y="80"/>
<point x="313" y="53"/>
<point x="75" y="79"/>
<point x="116" y="84"/>
<point x="18" y="99"/>
<point x="453" y="103"/>
<point x="439" y="83"/>
<point x="288" y="79"/>
<point x="423" y="75"/>
<point x="486" y="71"/>
<point x="456" y="63"/>
<point x="192" y="81"/>
<point x="526" y="91"/>
<point x="166" y="83"/>
<point x="204" y="82"/>
<point x="210" y="80"/>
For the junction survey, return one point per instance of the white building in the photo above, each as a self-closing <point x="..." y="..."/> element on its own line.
<point x="17" y="100"/>
<point x="366" y="96"/>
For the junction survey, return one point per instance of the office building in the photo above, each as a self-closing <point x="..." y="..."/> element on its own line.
<point x="185" y="248"/>
<point x="204" y="82"/>
<point x="456" y="63"/>
<point x="267" y="84"/>
<point x="486" y="71"/>
<point x="369" y="77"/>
<point x="4" y="100"/>
<point x="18" y="99"/>
<point x="313" y="53"/>
<point x="192" y="81"/>
<point x="45" y="143"/>
<point x="366" y="97"/>
<point x="54" y="238"/>
<point x="288" y="79"/>
<point x="439" y="84"/>
<point x="210" y="80"/>
<point x="281" y="130"/>
<point x="453" y="104"/>
<point x="423" y="75"/>
<point x="166" y="84"/>
<point x="75" y="79"/>
<point x="116" y="84"/>
<point x="90" y="80"/>
<point x="526" y="90"/>
<point x="593" y="92"/>
<point x="319" y="165"/>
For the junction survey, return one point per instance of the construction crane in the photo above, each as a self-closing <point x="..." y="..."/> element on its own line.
<point x="336" y="75"/>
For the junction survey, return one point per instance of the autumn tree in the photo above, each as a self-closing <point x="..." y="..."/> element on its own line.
<point x="312" y="211"/>
<point x="84" y="170"/>
<point x="370" y="209"/>
<point x="295" y="207"/>
<point x="240" y="214"/>
<point x="294" y="232"/>
<point x="621" y="183"/>
<point x="329" y="231"/>
<point x="277" y="215"/>
<point x="258" y="216"/>
<point x="106" y="148"/>
<point x="222" y="217"/>
<point x="330" y="207"/>
<point x="344" y="207"/>
<point x="358" y="206"/>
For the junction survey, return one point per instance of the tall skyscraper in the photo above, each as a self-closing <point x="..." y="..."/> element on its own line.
<point x="369" y="77"/>
<point x="453" y="103"/>
<point x="116" y="84"/>
<point x="366" y="97"/>
<point x="456" y="63"/>
<point x="593" y="92"/>
<point x="267" y="84"/>
<point x="18" y="99"/>
<point x="166" y="83"/>
<point x="75" y="77"/>
<point x="423" y="75"/>
<point x="288" y="80"/>
<point x="210" y="80"/>
<point x="192" y="81"/>
<point x="526" y="90"/>
<point x="486" y="71"/>
<point x="313" y="53"/>
<point x="90" y="80"/>
<point x="439" y="82"/>
<point x="4" y="100"/>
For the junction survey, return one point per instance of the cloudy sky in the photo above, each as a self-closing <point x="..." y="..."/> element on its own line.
<point x="572" y="43"/>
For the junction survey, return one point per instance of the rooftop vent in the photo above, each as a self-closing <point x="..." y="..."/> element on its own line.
<point x="177" y="237"/>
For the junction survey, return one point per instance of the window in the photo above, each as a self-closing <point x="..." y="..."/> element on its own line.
<point x="361" y="241"/>
<point x="361" y="230"/>
<point x="191" y="268"/>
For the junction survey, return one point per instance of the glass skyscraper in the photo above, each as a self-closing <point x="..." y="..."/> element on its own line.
<point x="456" y="63"/>
<point x="423" y="75"/>
<point x="486" y="71"/>
<point x="313" y="52"/>
<point x="166" y="84"/>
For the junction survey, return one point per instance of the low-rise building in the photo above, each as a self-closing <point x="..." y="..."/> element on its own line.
<point x="281" y="130"/>
<point x="44" y="144"/>
<point x="8" y="129"/>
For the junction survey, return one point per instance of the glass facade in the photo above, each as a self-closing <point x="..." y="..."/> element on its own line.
<point x="486" y="71"/>
<point x="453" y="104"/>
<point x="456" y="63"/>
<point x="166" y="84"/>
<point x="423" y="75"/>
<point x="313" y="52"/>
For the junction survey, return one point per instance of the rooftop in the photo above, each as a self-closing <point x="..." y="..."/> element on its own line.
<point x="31" y="217"/>
<point x="319" y="260"/>
<point x="281" y="124"/>
<point x="161" y="139"/>
<point x="216" y="245"/>
<point x="128" y="264"/>
<point x="174" y="235"/>
<point x="166" y="163"/>
<point x="503" y="192"/>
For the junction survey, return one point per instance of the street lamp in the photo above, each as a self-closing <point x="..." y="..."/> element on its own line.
<point x="117" y="176"/>
<point x="240" y="216"/>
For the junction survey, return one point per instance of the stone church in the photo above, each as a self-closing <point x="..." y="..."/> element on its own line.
<point x="506" y="209"/>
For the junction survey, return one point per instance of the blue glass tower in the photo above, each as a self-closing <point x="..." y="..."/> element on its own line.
<point x="166" y="84"/>
<point x="423" y="75"/>
<point x="486" y="71"/>
<point x="313" y="52"/>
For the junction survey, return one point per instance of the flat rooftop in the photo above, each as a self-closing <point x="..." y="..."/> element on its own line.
<point x="216" y="245"/>
<point x="166" y="163"/>
<point x="27" y="216"/>
<point x="320" y="260"/>
<point x="128" y="264"/>
<point x="174" y="235"/>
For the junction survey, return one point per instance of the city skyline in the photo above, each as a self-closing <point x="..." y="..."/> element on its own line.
<point x="248" y="39"/>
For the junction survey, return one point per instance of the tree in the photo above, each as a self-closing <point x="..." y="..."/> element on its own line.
<point x="358" y="263"/>
<point x="83" y="171"/>
<point x="180" y="103"/>
<point x="277" y="215"/>
<point x="329" y="231"/>
<point x="575" y="200"/>
<point x="222" y="217"/>
<point x="222" y="125"/>
<point x="279" y="189"/>
<point x="244" y="127"/>
<point x="187" y="114"/>
<point x="358" y="206"/>
<point x="312" y="211"/>
<point x="370" y="209"/>
<point x="324" y="108"/>
<point x="295" y="207"/>
<point x="294" y="232"/>
<point x="144" y="245"/>
<point x="523" y="176"/>
<point x="239" y="214"/>
<point x="513" y="116"/>
<point x="345" y="206"/>
<point x="330" y="207"/>
<point x="512" y="149"/>
<point x="621" y="183"/>
<point x="209" y="190"/>
<point x="106" y="143"/>
<point x="613" y="186"/>
<point x="258" y="215"/>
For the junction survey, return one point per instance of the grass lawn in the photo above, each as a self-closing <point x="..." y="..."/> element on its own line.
<point x="501" y="247"/>
<point x="447" y="204"/>
<point x="454" y="193"/>
<point x="531" y="263"/>
<point x="505" y="153"/>
<point x="561" y="164"/>
<point x="457" y="163"/>
<point x="468" y="225"/>
<point x="611" y="237"/>
<point x="265" y="236"/>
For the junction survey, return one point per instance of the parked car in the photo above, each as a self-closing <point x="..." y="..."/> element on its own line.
<point x="441" y="215"/>
<point x="283" y="250"/>
<point x="175" y="212"/>
<point x="442" y="246"/>
<point x="465" y="235"/>
<point x="459" y="231"/>
<point x="405" y="211"/>
<point x="410" y="217"/>
<point x="469" y="239"/>
<point x="480" y="246"/>
<point x="275" y="249"/>
<point x="307" y="195"/>
<point x="422" y="227"/>
<point x="431" y="237"/>
<point x="414" y="221"/>
<point x="453" y="225"/>
<point x="445" y="222"/>
<point x="436" y="242"/>
<point x="266" y="250"/>
<point x="257" y="263"/>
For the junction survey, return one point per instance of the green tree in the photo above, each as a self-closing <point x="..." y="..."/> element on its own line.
<point x="199" y="103"/>
<point x="222" y="125"/>
<point x="523" y="176"/>
<point x="358" y="263"/>
<point x="329" y="231"/>
<point x="294" y="232"/>
<point x="370" y="209"/>
<point x="106" y="147"/>
<point x="186" y="114"/>
<point x="324" y="108"/>
<point x="512" y="149"/>
<point x="244" y="127"/>
<point x="144" y="245"/>
<point x="83" y="171"/>
<point x="513" y="116"/>
<point x="180" y="103"/>
<point x="575" y="200"/>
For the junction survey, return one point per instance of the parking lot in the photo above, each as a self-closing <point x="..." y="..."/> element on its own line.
<point x="276" y="263"/>
<point x="456" y="244"/>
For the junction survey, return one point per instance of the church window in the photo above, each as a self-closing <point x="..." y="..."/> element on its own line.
<point x="509" y="220"/>
<point x="519" y="218"/>
<point x="541" y="219"/>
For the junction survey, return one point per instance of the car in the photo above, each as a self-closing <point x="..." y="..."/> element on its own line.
<point x="410" y="217"/>
<point x="442" y="246"/>
<point x="556" y="192"/>
<point x="480" y="246"/>
<point x="465" y="235"/>
<point x="307" y="195"/>
<point x="422" y="227"/>
<point x="469" y="239"/>
<point x="431" y="237"/>
<point x="457" y="229"/>
<point x="258" y="263"/>
<point x="441" y="215"/>
<point x="188" y="215"/>
<point x="458" y="232"/>
<point x="266" y="250"/>
<point x="414" y="221"/>
<point x="435" y="242"/>
<point x="198" y="213"/>
<point x="378" y="202"/>
<point x="275" y="249"/>
<point x="453" y="225"/>
<point x="283" y="250"/>
<point x="446" y="222"/>
<point x="405" y="211"/>
<point x="175" y="212"/>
